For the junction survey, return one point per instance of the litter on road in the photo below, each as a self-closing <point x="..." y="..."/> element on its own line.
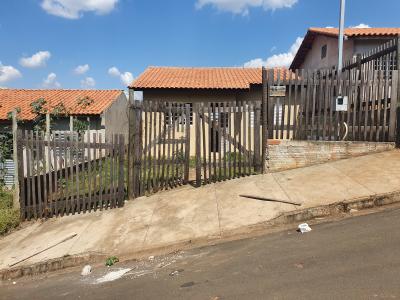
<point x="304" y="227"/>
<point x="111" y="276"/>
<point x="86" y="270"/>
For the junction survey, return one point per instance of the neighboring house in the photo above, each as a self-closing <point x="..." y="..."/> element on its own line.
<point x="104" y="110"/>
<point x="319" y="49"/>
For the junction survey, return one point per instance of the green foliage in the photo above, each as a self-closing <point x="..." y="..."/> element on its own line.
<point x="9" y="114"/>
<point x="9" y="217"/>
<point x="84" y="102"/>
<point x="111" y="261"/>
<point x="6" y="146"/>
<point x="37" y="106"/>
<point x="80" y="126"/>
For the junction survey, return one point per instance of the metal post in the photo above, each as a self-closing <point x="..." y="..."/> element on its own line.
<point x="341" y="35"/>
<point x="16" y="202"/>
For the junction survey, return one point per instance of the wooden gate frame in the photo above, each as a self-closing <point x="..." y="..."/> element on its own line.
<point x="135" y="147"/>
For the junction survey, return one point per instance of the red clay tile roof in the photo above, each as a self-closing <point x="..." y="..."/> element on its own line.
<point x="199" y="78"/>
<point x="13" y="98"/>
<point x="349" y="32"/>
<point x="355" y="32"/>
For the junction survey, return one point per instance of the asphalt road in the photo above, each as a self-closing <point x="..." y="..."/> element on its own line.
<point x="354" y="258"/>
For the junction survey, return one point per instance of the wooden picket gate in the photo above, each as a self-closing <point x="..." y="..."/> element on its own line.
<point x="159" y="148"/>
<point x="69" y="173"/>
<point x="228" y="140"/>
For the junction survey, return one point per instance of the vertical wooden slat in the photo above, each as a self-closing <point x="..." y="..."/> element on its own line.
<point x="203" y="137"/>
<point x="393" y="109"/>
<point x="214" y="139"/>
<point x="187" y="142"/>
<point x="173" y="146"/>
<point x="28" y="175"/>
<point x="224" y="124"/>
<point x="235" y="129"/>
<point x="257" y="157"/>
<point x="198" y="140"/>
<point x="231" y="136"/>
<point x="379" y="94"/>
<point x="101" y="146"/>
<point x="210" y="140"/>
<point x="244" y="143"/>
<point x="121" y="155"/>
<point x="164" y="145"/>
<point x="251" y="132"/>
<point x="154" y="144"/>
<point x="21" y="173"/>
<point x="38" y="174"/>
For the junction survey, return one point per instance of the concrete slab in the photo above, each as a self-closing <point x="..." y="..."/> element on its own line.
<point x="188" y="213"/>
<point x="182" y="215"/>
<point x="237" y="211"/>
<point x="319" y="185"/>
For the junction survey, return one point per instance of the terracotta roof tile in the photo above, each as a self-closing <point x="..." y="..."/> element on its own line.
<point x="13" y="98"/>
<point x="199" y="78"/>
<point x="354" y="32"/>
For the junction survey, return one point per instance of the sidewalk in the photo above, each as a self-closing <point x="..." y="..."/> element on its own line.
<point x="188" y="213"/>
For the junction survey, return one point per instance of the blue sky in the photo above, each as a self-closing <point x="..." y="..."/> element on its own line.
<point x="44" y="41"/>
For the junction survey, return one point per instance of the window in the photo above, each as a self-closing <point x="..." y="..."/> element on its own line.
<point x="323" y="51"/>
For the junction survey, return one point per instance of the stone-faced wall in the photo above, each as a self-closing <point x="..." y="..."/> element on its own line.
<point x="287" y="154"/>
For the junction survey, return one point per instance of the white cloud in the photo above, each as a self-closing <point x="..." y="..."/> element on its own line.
<point x="242" y="6"/>
<point x="362" y="25"/>
<point x="51" y="82"/>
<point x="277" y="60"/>
<point x="125" y="77"/>
<point x="37" y="60"/>
<point x="79" y="70"/>
<point x="88" y="83"/>
<point x="8" y="73"/>
<point x="74" y="9"/>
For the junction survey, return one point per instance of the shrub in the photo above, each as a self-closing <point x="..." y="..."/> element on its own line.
<point x="9" y="217"/>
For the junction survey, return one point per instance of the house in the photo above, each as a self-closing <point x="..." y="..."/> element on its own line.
<point x="191" y="85"/>
<point x="195" y="85"/>
<point x="319" y="49"/>
<point x="104" y="110"/>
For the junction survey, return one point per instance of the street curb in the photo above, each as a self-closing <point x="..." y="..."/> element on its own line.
<point x="293" y="217"/>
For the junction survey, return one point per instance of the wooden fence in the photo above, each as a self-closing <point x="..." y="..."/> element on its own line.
<point x="307" y="109"/>
<point x="71" y="175"/>
<point x="383" y="58"/>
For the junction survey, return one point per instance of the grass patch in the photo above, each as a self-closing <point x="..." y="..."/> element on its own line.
<point x="9" y="217"/>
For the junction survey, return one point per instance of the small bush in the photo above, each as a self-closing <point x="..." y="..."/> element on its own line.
<point x="9" y="217"/>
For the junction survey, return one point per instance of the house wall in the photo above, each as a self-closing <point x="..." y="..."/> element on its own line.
<point x="115" y="118"/>
<point x="351" y="48"/>
<point x="313" y="59"/>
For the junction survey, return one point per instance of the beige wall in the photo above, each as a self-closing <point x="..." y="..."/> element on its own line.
<point x="115" y="118"/>
<point x="351" y="48"/>
<point x="313" y="59"/>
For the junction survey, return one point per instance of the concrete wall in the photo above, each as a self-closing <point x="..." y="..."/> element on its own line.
<point x="287" y="154"/>
<point x="115" y="119"/>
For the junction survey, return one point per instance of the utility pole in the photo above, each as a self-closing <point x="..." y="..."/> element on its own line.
<point x="341" y="35"/>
